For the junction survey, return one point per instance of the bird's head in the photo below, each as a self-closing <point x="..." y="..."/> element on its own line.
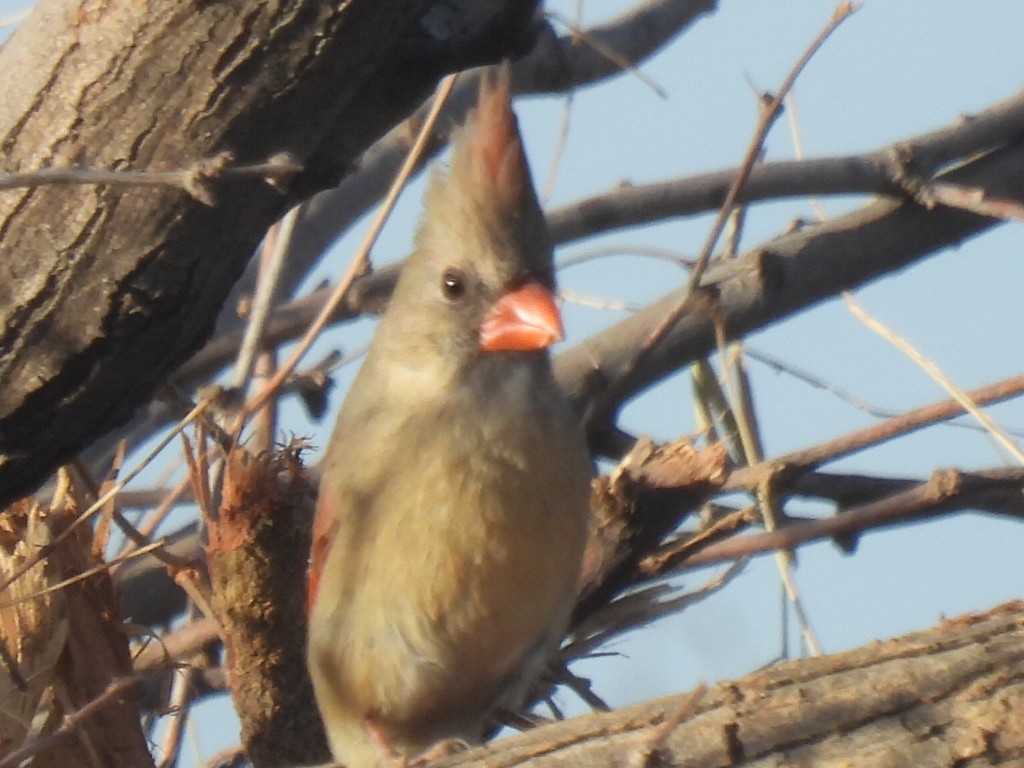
<point x="481" y="279"/>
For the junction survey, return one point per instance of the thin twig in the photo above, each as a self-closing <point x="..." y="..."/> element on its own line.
<point x="180" y="698"/>
<point x="136" y="538"/>
<point x="778" y="365"/>
<point x="111" y="493"/>
<point x="795" y="133"/>
<point x="649" y="251"/>
<point x="946" y="491"/>
<point x="548" y="187"/>
<point x="751" y="446"/>
<point x="148" y="549"/>
<point x="181" y="643"/>
<point x="616" y="58"/>
<point x="961" y="397"/>
<point x="273" y="256"/>
<point x="974" y="200"/>
<point x="233" y="757"/>
<point x="766" y="119"/>
<point x="807" y="459"/>
<point x="653" y="741"/>
<point x="167" y="503"/>
<point x="358" y="264"/>
<point x="188" y="179"/>
<point x="113" y="694"/>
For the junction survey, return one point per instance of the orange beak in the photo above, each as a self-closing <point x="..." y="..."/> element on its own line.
<point x="522" y="320"/>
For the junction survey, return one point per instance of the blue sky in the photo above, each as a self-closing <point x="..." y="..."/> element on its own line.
<point x="896" y="68"/>
<point x="889" y="72"/>
<point x="893" y="70"/>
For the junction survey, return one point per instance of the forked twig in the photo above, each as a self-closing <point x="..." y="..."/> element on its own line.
<point x="767" y="118"/>
<point x="358" y="264"/>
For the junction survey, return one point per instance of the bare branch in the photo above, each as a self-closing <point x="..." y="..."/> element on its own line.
<point x="784" y="276"/>
<point x="793" y="464"/>
<point x="955" y="689"/>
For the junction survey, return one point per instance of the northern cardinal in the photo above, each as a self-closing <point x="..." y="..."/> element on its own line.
<point x="454" y="499"/>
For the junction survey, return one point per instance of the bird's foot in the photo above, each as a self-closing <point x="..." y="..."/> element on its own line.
<point x="381" y="740"/>
<point x="400" y="759"/>
<point x="435" y="751"/>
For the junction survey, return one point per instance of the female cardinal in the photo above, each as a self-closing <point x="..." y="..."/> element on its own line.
<point x="453" y="506"/>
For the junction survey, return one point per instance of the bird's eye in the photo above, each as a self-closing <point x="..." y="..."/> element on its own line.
<point x="453" y="284"/>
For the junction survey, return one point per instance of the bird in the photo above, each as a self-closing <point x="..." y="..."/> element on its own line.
<point x="453" y="509"/>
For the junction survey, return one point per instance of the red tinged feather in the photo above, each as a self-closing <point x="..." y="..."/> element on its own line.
<point x="324" y="525"/>
<point x="497" y="146"/>
<point x="454" y="498"/>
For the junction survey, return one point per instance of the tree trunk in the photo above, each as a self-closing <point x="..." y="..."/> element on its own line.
<point x="106" y="289"/>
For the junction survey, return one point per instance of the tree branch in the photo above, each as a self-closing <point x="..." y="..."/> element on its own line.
<point x="897" y="222"/>
<point x="951" y="695"/>
<point x="784" y="276"/>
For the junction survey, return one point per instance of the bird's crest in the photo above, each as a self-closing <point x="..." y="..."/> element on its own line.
<point x="493" y="146"/>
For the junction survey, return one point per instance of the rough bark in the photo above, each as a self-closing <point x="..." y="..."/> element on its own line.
<point x="780" y="278"/>
<point x="950" y="696"/>
<point x="91" y="647"/>
<point x="256" y="587"/>
<point x="105" y="289"/>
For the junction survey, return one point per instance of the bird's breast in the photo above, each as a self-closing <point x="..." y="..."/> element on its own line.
<point x="475" y="553"/>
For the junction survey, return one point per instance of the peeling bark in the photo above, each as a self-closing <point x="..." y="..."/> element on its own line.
<point x="257" y="582"/>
